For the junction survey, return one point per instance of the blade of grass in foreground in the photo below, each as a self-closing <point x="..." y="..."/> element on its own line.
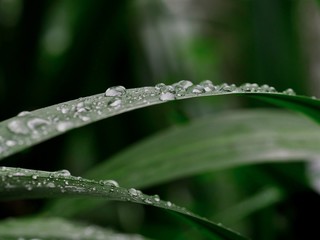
<point x="19" y="183"/>
<point x="30" y="128"/>
<point x="57" y="228"/>
<point x="216" y="142"/>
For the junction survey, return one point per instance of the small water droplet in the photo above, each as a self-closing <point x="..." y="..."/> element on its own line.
<point x="34" y="177"/>
<point x="148" y="201"/>
<point x="64" y="126"/>
<point x="18" y="126"/>
<point x="63" y="172"/>
<point x="156" y="198"/>
<point x="169" y="204"/>
<point x="198" y="89"/>
<point x="133" y="192"/>
<point x="185" y="84"/>
<point x="50" y="185"/>
<point x="167" y="96"/>
<point x="10" y="143"/>
<point x="115" y="91"/>
<point x="115" y="102"/>
<point x="23" y="113"/>
<point x="289" y="91"/>
<point x="161" y="87"/>
<point x="207" y="86"/>
<point x="109" y="182"/>
<point x="36" y="123"/>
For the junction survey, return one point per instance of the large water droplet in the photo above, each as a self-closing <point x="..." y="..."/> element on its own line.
<point x="18" y="126"/>
<point x="115" y="91"/>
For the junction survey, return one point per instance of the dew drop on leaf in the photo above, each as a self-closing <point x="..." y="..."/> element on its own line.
<point x="289" y="91"/>
<point x="198" y="89"/>
<point x="115" y="91"/>
<point x="115" y="102"/>
<point x="112" y="183"/>
<point x="62" y="172"/>
<point x="17" y="126"/>
<point x="10" y="143"/>
<point x="35" y="123"/>
<point x="207" y="86"/>
<point x="64" y="126"/>
<point x="23" y="113"/>
<point x="166" y="96"/>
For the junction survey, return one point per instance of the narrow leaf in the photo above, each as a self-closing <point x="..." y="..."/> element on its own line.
<point x="19" y="183"/>
<point x="30" y="128"/>
<point x="57" y="228"/>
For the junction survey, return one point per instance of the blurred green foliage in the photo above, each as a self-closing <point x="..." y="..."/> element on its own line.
<point x="53" y="51"/>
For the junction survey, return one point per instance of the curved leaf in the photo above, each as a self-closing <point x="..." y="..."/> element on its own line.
<point x="57" y="228"/>
<point x="217" y="142"/>
<point x="30" y="128"/>
<point x="19" y="183"/>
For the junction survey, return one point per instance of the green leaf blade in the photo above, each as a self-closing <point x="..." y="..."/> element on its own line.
<point x="23" y="183"/>
<point x="31" y="128"/>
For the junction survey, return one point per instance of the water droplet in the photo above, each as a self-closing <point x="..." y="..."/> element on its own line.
<point x="64" y="108"/>
<point x="133" y="192"/>
<point x="51" y="185"/>
<point x="18" y="126"/>
<point x="198" y="89"/>
<point x="10" y="143"/>
<point x="115" y="91"/>
<point x="64" y="126"/>
<point x="34" y="177"/>
<point x="63" y="172"/>
<point x="36" y="123"/>
<point x="148" y="201"/>
<point x="161" y="87"/>
<point x="289" y="91"/>
<point x="228" y="88"/>
<point x="185" y="84"/>
<point x="23" y="113"/>
<point x="115" y="102"/>
<point x="169" y="204"/>
<point x="112" y="183"/>
<point x="167" y="96"/>
<point x="156" y="198"/>
<point x="207" y="85"/>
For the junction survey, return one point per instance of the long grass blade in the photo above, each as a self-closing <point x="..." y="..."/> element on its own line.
<point x="57" y="228"/>
<point x="17" y="183"/>
<point x="30" y="128"/>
